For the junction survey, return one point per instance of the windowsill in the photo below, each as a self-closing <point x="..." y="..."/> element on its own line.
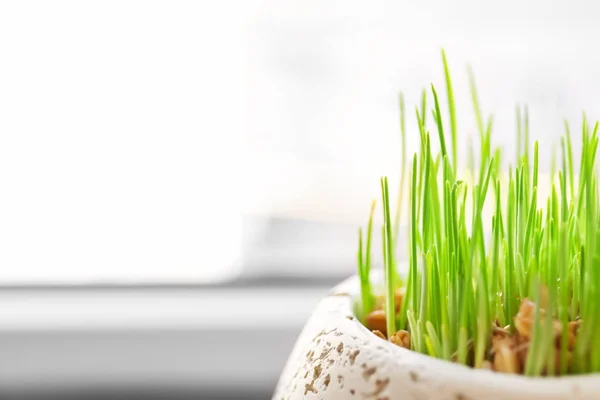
<point x="182" y="338"/>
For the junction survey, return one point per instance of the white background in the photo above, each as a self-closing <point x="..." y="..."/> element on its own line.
<point x="135" y="135"/>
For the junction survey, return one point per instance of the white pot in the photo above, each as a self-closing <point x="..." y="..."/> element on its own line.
<point x="336" y="357"/>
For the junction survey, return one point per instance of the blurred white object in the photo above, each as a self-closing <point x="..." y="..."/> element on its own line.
<point x="137" y="135"/>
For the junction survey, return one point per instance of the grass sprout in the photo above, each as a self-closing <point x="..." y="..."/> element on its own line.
<point x="515" y="289"/>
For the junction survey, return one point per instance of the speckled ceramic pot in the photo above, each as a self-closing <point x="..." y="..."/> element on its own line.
<point x="336" y="357"/>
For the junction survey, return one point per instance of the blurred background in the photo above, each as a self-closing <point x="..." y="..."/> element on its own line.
<point x="180" y="182"/>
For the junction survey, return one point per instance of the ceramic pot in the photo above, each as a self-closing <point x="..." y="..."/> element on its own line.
<point x="336" y="357"/>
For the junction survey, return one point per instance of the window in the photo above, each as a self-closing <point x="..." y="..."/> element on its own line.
<point x="146" y="142"/>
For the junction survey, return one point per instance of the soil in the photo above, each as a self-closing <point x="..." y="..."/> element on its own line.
<point x="508" y="345"/>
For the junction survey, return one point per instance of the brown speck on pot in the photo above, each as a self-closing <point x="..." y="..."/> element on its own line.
<point x="368" y="371"/>
<point x="352" y="356"/>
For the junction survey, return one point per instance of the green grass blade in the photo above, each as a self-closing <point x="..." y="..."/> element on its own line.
<point x="438" y="121"/>
<point x="400" y="199"/>
<point x="451" y="110"/>
<point x="390" y="270"/>
<point x="475" y="101"/>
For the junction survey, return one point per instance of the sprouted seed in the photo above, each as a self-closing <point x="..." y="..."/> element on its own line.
<point x="515" y="292"/>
